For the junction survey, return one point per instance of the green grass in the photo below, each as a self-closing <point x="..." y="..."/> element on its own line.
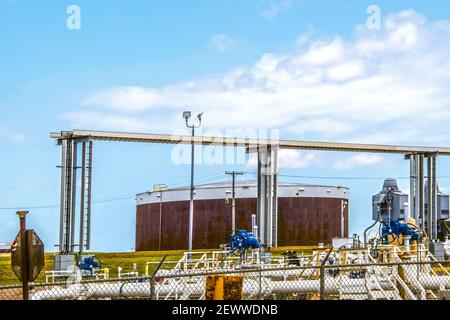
<point x="109" y="260"/>
<point x="120" y="259"/>
<point x="8" y="277"/>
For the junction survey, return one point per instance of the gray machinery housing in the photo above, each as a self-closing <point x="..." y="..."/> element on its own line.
<point x="393" y="195"/>
<point x="442" y="205"/>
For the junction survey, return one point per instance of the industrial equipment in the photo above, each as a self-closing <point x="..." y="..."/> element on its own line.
<point x="349" y="274"/>
<point x="241" y="241"/>
<point x="369" y="272"/>
<point x="398" y="227"/>
<point x="291" y="257"/>
<point x="396" y="230"/>
<point x="89" y="265"/>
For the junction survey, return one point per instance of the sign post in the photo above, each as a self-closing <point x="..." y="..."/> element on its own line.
<point x="24" y="254"/>
<point x="27" y="255"/>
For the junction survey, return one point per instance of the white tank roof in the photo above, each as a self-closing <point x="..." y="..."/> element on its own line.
<point x="244" y="189"/>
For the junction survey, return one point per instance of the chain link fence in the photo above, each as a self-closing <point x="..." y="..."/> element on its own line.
<point x="390" y="281"/>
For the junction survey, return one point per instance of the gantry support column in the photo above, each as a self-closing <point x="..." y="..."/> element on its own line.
<point x="68" y="195"/>
<point x="68" y="198"/>
<point x="429" y="215"/>
<point x="421" y="190"/>
<point x="427" y="223"/>
<point x="412" y="187"/>
<point x="86" y="196"/>
<point x="267" y="208"/>
<point x="416" y="196"/>
<point x="435" y="198"/>
<point x="432" y="213"/>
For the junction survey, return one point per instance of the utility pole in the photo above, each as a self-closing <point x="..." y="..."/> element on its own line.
<point x="233" y="195"/>
<point x="187" y="116"/>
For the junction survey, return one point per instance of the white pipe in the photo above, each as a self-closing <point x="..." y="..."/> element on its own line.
<point x="434" y="282"/>
<point x="72" y="292"/>
<point x="429" y="282"/>
<point x="332" y="285"/>
<point x="251" y="288"/>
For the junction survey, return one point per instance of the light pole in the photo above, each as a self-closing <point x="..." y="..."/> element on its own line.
<point x="233" y="197"/>
<point x="193" y="126"/>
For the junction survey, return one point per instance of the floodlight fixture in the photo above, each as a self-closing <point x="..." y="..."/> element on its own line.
<point x="186" y="115"/>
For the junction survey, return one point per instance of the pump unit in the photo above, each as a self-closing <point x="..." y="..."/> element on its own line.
<point x="241" y="241"/>
<point x="89" y="265"/>
<point x="391" y="230"/>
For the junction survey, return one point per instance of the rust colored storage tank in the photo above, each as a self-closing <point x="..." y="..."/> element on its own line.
<point x="307" y="215"/>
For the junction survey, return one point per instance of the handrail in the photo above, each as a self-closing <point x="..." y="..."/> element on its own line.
<point x="378" y="268"/>
<point x="413" y="280"/>
<point x="405" y="287"/>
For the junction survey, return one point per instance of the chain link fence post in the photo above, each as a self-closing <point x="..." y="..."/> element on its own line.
<point x="322" y="283"/>
<point x="152" y="288"/>
<point x="153" y="279"/>
<point x="260" y="283"/>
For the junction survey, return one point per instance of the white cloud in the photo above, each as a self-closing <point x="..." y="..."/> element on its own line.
<point x="294" y="159"/>
<point x="322" y="125"/>
<point x="272" y="8"/>
<point x="321" y="53"/>
<point x="305" y="37"/>
<point x="223" y="42"/>
<point x="358" y="160"/>
<point x="388" y="86"/>
<point x="125" y="98"/>
<point x="345" y="71"/>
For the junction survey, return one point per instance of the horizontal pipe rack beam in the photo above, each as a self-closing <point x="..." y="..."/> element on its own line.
<point x="245" y="142"/>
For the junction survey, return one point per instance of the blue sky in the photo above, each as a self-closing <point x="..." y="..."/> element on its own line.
<point x="310" y="69"/>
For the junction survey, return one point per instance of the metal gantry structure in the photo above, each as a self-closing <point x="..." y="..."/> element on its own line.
<point x="267" y="151"/>
<point x="69" y="168"/>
